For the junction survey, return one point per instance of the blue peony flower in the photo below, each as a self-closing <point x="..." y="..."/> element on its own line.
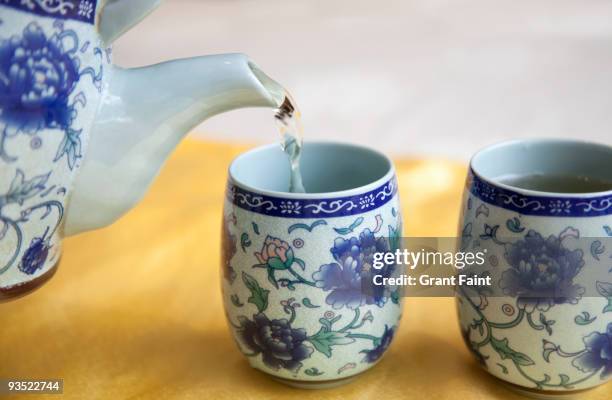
<point x="37" y="76"/>
<point x="35" y="256"/>
<point x="350" y="278"/>
<point x="373" y="355"/>
<point x="598" y="353"/>
<point x="280" y="345"/>
<point x="541" y="272"/>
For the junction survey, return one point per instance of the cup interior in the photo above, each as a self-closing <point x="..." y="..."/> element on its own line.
<point x="326" y="167"/>
<point x="543" y="157"/>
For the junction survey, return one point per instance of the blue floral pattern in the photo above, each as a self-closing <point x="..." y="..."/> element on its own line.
<point x="35" y="256"/>
<point x="40" y="101"/>
<point x="598" y="354"/>
<point x="350" y="278"/>
<point x="333" y="310"/>
<point x="21" y="190"/>
<point x="373" y="355"/>
<point x="280" y="345"/>
<point x="42" y="96"/>
<point x="40" y="76"/>
<point x="542" y="272"/>
<point x="543" y="280"/>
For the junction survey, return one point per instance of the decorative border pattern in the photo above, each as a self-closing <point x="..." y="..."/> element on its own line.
<point x="538" y="205"/>
<point x="78" y="10"/>
<point x="311" y="208"/>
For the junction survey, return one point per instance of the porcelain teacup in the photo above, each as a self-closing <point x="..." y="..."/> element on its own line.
<point x="294" y="265"/>
<point x="545" y="327"/>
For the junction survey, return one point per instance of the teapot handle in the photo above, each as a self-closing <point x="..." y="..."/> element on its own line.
<point x="118" y="16"/>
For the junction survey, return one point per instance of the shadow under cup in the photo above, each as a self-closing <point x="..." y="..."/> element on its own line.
<point x="545" y="326"/>
<point x="293" y="263"/>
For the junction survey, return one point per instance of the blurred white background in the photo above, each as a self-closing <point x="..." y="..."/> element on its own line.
<point x="434" y="77"/>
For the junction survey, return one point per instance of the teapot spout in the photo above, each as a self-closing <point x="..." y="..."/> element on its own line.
<point x="144" y="114"/>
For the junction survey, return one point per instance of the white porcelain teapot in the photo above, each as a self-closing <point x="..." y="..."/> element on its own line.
<point x="80" y="138"/>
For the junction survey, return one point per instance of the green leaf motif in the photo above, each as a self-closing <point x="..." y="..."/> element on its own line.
<point x="545" y="380"/>
<point x="313" y="372"/>
<point x="324" y="340"/>
<point x="597" y="249"/>
<point x="327" y="323"/>
<point x="514" y="225"/>
<point x="259" y="296"/>
<point x="547" y="323"/>
<point x="466" y="236"/>
<point x="503" y="368"/>
<point x="255" y="228"/>
<point x="608" y="307"/>
<point x="245" y="241"/>
<point x="290" y="258"/>
<point x="490" y="232"/>
<point x="306" y="227"/>
<point x="506" y="352"/>
<point x="272" y="278"/>
<point x="307" y="303"/>
<point x="236" y="300"/>
<point x="395" y="297"/>
<point x="547" y="349"/>
<point x="584" y="318"/>
<point x="395" y="238"/>
<point x="605" y="289"/>
<point x="350" y="228"/>
<point x="276" y="263"/>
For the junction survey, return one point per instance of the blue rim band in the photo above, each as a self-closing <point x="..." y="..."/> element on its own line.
<point x="311" y="208"/>
<point x="83" y="11"/>
<point x="548" y="206"/>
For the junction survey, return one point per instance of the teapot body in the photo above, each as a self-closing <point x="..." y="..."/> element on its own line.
<point x="52" y="77"/>
<point x="81" y="139"/>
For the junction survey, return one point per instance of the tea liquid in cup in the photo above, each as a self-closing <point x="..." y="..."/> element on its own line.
<point x="542" y="210"/>
<point x="293" y="264"/>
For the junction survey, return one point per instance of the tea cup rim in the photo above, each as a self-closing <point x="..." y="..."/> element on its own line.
<point x="530" y="192"/>
<point x="375" y="184"/>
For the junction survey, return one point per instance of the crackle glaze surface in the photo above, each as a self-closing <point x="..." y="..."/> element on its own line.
<point x="292" y="274"/>
<point x="51" y="72"/>
<point x="540" y="245"/>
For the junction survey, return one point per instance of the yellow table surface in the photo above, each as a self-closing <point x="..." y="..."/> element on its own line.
<point x="135" y="310"/>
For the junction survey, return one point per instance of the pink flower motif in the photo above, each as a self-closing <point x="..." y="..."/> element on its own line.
<point x="273" y="251"/>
